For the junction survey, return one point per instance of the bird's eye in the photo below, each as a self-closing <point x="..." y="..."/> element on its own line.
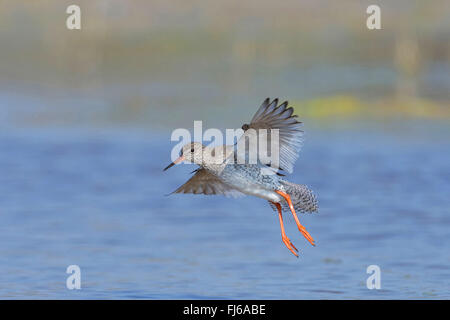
<point x="192" y="150"/>
<point x="181" y="152"/>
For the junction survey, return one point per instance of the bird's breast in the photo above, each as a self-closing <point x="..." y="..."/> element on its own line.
<point x="250" y="181"/>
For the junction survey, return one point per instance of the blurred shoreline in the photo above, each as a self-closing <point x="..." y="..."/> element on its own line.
<point x="153" y="63"/>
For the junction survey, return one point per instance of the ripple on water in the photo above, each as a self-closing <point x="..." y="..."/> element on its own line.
<point x="99" y="203"/>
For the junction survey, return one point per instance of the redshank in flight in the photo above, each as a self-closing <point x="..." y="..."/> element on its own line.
<point x="234" y="178"/>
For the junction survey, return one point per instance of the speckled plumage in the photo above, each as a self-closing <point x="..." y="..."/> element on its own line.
<point x="303" y="198"/>
<point x="251" y="180"/>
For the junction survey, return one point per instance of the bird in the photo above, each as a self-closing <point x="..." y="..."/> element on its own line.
<point x="228" y="176"/>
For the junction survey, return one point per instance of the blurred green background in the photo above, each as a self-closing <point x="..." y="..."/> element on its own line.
<point x="162" y="64"/>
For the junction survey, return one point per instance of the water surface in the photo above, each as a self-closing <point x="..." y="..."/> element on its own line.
<point x="97" y="199"/>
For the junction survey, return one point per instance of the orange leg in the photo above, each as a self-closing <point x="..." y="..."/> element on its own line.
<point x="285" y="239"/>
<point x="299" y="225"/>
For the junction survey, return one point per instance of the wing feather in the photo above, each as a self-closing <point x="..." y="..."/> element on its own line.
<point x="270" y="115"/>
<point x="204" y="182"/>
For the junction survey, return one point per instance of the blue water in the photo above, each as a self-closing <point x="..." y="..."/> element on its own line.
<point x="96" y="199"/>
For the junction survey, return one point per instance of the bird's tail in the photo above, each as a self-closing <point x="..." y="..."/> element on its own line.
<point x="302" y="198"/>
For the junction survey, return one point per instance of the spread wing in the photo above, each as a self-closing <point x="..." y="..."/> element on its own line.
<point x="204" y="182"/>
<point x="270" y="115"/>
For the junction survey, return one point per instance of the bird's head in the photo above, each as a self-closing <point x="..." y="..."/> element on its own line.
<point x="191" y="152"/>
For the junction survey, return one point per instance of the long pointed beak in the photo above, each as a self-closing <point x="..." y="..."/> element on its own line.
<point x="174" y="163"/>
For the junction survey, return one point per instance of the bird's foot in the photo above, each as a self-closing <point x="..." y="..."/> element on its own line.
<point x="290" y="245"/>
<point x="306" y="234"/>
